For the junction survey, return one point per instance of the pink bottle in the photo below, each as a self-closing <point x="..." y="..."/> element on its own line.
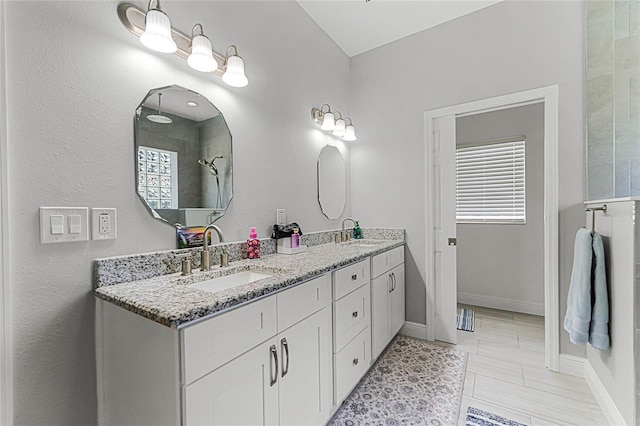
<point x="253" y="245"/>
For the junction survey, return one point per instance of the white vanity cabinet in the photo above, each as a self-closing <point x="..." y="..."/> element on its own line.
<point x="387" y="297"/>
<point x="268" y="362"/>
<point x="351" y="327"/>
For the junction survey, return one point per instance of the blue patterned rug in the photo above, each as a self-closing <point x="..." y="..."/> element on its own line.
<point x="465" y="320"/>
<point x="476" y="417"/>
<point x="413" y="382"/>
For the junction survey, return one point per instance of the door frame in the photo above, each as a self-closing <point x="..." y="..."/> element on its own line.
<point x="6" y="366"/>
<point x="549" y="97"/>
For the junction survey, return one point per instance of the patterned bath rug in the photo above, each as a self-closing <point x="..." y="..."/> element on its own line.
<point x="413" y="382"/>
<point x="477" y="417"/>
<point x="465" y="320"/>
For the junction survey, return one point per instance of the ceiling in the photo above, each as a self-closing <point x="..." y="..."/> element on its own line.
<point x="358" y="25"/>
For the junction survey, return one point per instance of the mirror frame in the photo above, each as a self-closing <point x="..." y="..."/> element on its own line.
<point x="151" y="210"/>
<point x="344" y="201"/>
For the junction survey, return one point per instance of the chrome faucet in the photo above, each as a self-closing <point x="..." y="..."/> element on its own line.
<point x="344" y="235"/>
<point x="205" y="263"/>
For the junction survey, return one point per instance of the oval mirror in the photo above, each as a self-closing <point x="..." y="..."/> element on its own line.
<point x="184" y="160"/>
<point x="332" y="182"/>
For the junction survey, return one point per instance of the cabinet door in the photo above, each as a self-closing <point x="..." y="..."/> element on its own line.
<point x="238" y="393"/>
<point x="380" y="290"/>
<point x="306" y="378"/>
<point x="397" y="299"/>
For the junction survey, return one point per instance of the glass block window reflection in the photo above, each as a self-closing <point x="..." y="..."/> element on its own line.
<point x="158" y="177"/>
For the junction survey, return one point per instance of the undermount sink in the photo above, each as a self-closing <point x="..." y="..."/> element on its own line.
<point x="229" y="281"/>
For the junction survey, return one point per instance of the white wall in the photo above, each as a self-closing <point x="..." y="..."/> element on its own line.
<point x="501" y="265"/>
<point x="75" y="76"/>
<point x="505" y="48"/>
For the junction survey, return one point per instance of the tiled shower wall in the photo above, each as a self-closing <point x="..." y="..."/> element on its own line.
<point x="613" y="98"/>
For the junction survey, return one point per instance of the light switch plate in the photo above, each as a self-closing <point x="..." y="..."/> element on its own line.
<point x="103" y="224"/>
<point x="64" y="224"/>
<point x="281" y="217"/>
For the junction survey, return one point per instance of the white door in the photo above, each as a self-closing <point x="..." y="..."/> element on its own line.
<point x="380" y="289"/>
<point x="306" y="385"/>
<point x="242" y="392"/>
<point x="444" y="185"/>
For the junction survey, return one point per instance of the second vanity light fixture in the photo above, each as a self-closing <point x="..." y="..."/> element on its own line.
<point x="155" y="32"/>
<point x="334" y="122"/>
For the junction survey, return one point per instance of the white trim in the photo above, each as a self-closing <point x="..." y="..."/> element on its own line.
<point x="6" y="366"/>
<point x="607" y="405"/>
<point x="548" y="95"/>
<point x="414" y="329"/>
<point x="572" y="365"/>
<point x="501" y="303"/>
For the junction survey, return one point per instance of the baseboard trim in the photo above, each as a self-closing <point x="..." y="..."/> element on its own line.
<point x="502" y="304"/>
<point x="572" y="365"/>
<point x="606" y="403"/>
<point x="414" y="329"/>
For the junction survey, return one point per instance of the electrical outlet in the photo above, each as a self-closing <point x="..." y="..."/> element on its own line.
<point x="281" y="217"/>
<point x="103" y="224"/>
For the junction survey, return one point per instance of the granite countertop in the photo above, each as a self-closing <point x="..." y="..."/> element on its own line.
<point x="169" y="301"/>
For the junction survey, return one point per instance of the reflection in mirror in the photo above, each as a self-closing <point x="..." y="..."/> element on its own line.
<point x="332" y="182"/>
<point x="184" y="171"/>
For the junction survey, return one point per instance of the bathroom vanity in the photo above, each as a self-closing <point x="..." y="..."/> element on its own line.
<point x="286" y="349"/>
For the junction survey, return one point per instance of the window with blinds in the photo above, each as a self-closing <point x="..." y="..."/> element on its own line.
<point x="490" y="182"/>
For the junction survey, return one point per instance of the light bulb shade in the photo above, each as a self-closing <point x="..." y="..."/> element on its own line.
<point x="328" y="121"/>
<point x="157" y="32"/>
<point x="234" y="74"/>
<point x="339" y="130"/>
<point x="201" y="57"/>
<point x="350" y="133"/>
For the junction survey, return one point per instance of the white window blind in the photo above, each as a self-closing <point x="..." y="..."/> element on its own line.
<point x="490" y="182"/>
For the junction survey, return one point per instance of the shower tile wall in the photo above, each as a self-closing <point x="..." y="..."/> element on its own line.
<point x="613" y="99"/>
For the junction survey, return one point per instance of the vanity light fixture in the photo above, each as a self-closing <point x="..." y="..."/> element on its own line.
<point x="327" y="121"/>
<point x="350" y="132"/>
<point x="159" y="118"/>
<point x="201" y="57"/>
<point x="155" y="31"/>
<point x="340" y="126"/>
<point x="234" y="69"/>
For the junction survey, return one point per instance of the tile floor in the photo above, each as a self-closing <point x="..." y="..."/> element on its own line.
<point x="506" y="374"/>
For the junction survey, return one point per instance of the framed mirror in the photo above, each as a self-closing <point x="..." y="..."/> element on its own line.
<point x="183" y="157"/>
<point x="332" y="182"/>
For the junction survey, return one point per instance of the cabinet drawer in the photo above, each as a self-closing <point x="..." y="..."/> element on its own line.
<point x="350" y="277"/>
<point x="383" y="262"/>
<point x="351" y="363"/>
<point x="297" y="303"/>
<point x="350" y="316"/>
<point x="209" y="344"/>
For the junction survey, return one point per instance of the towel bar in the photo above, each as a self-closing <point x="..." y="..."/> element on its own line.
<point x="593" y="211"/>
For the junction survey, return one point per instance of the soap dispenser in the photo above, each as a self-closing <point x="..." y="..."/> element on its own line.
<point x="253" y="245"/>
<point x="295" y="238"/>
<point x="357" y="231"/>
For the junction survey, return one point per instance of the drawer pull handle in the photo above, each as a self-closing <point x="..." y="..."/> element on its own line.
<point x="274" y="354"/>
<point x="355" y="361"/>
<point x="285" y="349"/>
<point x="355" y="314"/>
<point x="354" y="277"/>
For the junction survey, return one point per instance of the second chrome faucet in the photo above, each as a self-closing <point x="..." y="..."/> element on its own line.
<point x="205" y="259"/>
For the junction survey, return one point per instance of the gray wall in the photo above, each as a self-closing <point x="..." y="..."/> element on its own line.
<point x="70" y="136"/>
<point x="502" y="265"/>
<point x="505" y="48"/>
<point x="216" y="140"/>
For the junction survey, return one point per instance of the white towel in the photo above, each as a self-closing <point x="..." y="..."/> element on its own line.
<point x="578" y="317"/>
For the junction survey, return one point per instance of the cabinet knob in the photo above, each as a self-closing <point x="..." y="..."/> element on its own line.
<point x="355" y="314"/>
<point x="354" y="277"/>
<point x="355" y="361"/>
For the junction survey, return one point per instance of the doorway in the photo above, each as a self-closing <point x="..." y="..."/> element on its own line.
<point x="440" y="223"/>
